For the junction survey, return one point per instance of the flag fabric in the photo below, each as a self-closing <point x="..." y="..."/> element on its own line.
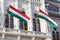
<point x="18" y="14"/>
<point x="46" y="17"/>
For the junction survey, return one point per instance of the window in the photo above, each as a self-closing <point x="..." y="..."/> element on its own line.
<point x="54" y="15"/>
<point x="11" y="21"/>
<point x="8" y="21"/>
<point x="53" y="8"/>
<point x="55" y="35"/>
<point x="36" y="24"/>
<point x="23" y="26"/>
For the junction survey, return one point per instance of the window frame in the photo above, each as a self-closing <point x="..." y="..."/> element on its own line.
<point x="36" y="25"/>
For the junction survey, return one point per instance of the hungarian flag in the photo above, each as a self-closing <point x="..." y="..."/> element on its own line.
<point x="18" y="14"/>
<point x="45" y="16"/>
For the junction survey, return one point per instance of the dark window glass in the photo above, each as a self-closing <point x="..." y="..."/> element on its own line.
<point x="11" y="21"/>
<point x="55" y="35"/>
<point x="25" y="26"/>
<point x="54" y="15"/>
<point x="34" y="25"/>
<point x="53" y="8"/>
<point x="38" y="24"/>
<point x="6" y="21"/>
<point x="21" y="25"/>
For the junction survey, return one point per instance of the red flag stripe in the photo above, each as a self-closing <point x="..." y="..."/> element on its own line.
<point x="46" y="14"/>
<point x="43" y="12"/>
<point x="21" y="13"/>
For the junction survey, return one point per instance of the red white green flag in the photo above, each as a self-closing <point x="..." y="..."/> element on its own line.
<point x="45" y="16"/>
<point x="18" y="14"/>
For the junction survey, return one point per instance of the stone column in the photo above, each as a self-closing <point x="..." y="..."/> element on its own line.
<point x="43" y="23"/>
<point x="49" y="36"/>
<point x="29" y="14"/>
<point x="2" y="13"/>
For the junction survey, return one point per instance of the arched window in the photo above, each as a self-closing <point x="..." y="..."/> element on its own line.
<point x="11" y="21"/>
<point x="55" y="35"/>
<point x="23" y="26"/>
<point x="6" y="21"/>
<point x="36" y="24"/>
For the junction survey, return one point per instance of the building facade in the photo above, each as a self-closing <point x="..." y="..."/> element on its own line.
<point x="53" y="10"/>
<point x="12" y="28"/>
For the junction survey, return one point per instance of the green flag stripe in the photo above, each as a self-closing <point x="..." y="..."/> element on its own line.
<point x="40" y="16"/>
<point x="9" y="12"/>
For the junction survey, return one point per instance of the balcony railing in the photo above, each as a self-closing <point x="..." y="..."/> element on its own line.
<point x="22" y="32"/>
